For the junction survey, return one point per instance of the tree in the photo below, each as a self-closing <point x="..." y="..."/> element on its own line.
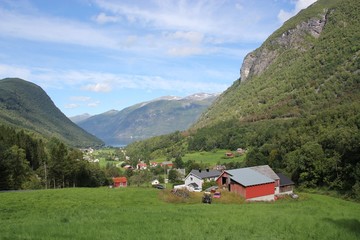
<point x="16" y="168"/>
<point x="173" y="176"/>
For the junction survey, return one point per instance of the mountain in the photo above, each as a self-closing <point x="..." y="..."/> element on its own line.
<point x="80" y="118"/>
<point x="25" y="105"/>
<point x="159" y="116"/>
<point x="295" y="107"/>
<point x="307" y="66"/>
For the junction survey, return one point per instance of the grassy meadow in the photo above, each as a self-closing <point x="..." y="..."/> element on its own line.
<point x="210" y="158"/>
<point x="142" y="213"/>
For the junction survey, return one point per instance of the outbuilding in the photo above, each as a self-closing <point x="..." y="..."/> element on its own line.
<point x="119" y="182"/>
<point x="248" y="183"/>
<point x="286" y="185"/>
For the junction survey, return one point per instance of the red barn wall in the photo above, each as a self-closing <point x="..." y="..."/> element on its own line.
<point x="260" y="190"/>
<point x="235" y="187"/>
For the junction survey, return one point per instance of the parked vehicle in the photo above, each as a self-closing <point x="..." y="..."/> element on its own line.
<point x="158" y="186"/>
<point x="207" y="198"/>
<point x="217" y="195"/>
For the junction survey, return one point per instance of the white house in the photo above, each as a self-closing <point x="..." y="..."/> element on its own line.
<point x="195" y="179"/>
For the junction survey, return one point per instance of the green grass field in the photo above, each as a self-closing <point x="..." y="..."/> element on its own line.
<point x="140" y="213"/>
<point x="209" y="158"/>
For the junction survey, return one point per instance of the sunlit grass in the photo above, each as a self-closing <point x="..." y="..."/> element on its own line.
<point x="142" y="213"/>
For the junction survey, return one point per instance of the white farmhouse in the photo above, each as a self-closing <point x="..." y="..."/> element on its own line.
<point x="195" y="179"/>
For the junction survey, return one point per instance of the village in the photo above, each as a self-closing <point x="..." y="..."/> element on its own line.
<point x="255" y="183"/>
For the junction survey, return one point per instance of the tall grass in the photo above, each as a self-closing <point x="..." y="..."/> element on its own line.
<point x="140" y="213"/>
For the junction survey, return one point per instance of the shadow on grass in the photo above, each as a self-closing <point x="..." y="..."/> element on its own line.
<point x="352" y="225"/>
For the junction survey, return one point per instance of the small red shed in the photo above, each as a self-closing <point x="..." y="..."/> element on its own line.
<point x="248" y="183"/>
<point x="120" y="182"/>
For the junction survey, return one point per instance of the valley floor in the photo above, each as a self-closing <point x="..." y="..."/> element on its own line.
<point x="139" y="213"/>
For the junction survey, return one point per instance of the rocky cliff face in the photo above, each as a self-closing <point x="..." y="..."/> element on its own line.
<point x="259" y="60"/>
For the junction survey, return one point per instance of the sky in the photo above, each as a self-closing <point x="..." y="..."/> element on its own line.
<point x="92" y="56"/>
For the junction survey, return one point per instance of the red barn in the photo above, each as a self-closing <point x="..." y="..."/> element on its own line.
<point x="120" y="182"/>
<point x="248" y="183"/>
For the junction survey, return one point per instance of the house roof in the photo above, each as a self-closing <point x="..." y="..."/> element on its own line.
<point x="119" y="179"/>
<point x="267" y="171"/>
<point x="205" y="173"/>
<point x="284" y="180"/>
<point x="248" y="177"/>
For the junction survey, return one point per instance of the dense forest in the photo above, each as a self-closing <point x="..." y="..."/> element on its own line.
<point x="28" y="161"/>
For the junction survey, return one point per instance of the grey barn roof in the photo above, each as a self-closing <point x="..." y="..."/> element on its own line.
<point x="205" y="173"/>
<point x="267" y="171"/>
<point x="248" y="177"/>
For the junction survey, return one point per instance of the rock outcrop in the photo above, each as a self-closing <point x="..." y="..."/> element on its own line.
<point x="259" y="60"/>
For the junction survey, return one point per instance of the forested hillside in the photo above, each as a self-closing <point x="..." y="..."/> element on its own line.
<point x="25" y="105"/>
<point x="296" y="106"/>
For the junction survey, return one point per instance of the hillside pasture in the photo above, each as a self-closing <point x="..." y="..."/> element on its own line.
<point x="214" y="157"/>
<point x="140" y="213"/>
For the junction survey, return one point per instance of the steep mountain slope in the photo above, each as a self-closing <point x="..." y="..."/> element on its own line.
<point x="310" y="64"/>
<point x="144" y="120"/>
<point x="26" y="105"/>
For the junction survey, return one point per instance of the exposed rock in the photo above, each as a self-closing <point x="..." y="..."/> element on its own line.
<point x="259" y="60"/>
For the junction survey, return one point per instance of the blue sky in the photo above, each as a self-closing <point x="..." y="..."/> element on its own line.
<point x="92" y="56"/>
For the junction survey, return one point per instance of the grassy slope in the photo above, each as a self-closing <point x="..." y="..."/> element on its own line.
<point x="26" y="105"/>
<point x="136" y="213"/>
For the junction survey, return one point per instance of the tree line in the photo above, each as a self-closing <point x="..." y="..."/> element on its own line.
<point x="28" y="161"/>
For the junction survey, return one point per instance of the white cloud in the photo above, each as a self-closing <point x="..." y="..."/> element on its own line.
<point x="191" y="36"/>
<point x="184" y="51"/>
<point x="299" y="5"/>
<point x="71" y="106"/>
<point x="103" y="18"/>
<point x="93" y="104"/>
<point x="98" y="87"/>
<point x="14" y="71"/>
<point x="106" y="82"/>
<point x="50" y="29"/>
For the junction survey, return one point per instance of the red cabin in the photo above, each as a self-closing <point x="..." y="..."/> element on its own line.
<point x="120" y="182"/>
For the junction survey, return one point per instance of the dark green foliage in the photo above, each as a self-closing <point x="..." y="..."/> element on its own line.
<point x="27" y="161"/>
<point x="25" y="105"/>
<point x="173" y="176"/>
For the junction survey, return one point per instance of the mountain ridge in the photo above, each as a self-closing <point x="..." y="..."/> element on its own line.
<point x="26" y="105"/>
<point x="147" y="119"/>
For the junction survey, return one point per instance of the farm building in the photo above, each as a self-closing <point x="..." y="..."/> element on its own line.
<point x="199" y="176"/>
<point x="267" y="171"/>
<point x="141" y="166"/>
<point x="168" y="164"/>
<point x="119" y="182"/>
<point x="286" y="185"/>
<point x="248" y="183"/>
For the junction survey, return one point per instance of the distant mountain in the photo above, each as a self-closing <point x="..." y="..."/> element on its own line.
<point x="26" y="105"/>
<point x="80" y="118"/>
<point x="159" y="116"/>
